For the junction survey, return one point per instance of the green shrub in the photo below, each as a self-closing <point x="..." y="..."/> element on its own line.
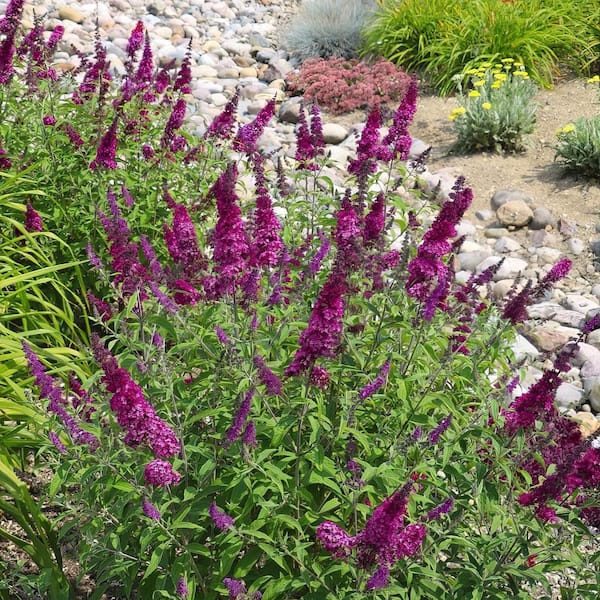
<point x="283" y="403"/>
<point x="496" y="110"/>
<point x="442" y="38"/>
<point x="578" y="147"/>
<point x="325" y="28"/>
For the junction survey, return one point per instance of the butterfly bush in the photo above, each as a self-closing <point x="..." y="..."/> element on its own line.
<point x="277" y="402"/>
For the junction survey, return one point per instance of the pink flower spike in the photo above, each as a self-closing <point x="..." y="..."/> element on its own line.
<point x="33" y="221"/>
<point x="160" y="473"/>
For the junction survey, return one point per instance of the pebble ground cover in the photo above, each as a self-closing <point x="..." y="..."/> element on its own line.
<point x="276" y="392"/>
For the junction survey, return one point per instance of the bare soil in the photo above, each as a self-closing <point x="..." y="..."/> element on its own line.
<point x="534" y="171"/>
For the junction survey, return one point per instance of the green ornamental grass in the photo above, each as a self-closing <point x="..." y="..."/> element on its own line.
<point x="281" y="403"/>
<point x="442" y="38"/>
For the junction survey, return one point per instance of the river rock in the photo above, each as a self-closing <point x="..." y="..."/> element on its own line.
<point x="69" y="13"/>
<point x="510" y="269"/>
<point x="514" y="213"/>
<point x="542" y="218"/>
<point x="334" y="133"/>
<point x="501" y="197"/>
<point x="550" y="337"/>
<point x="569" y="395"/>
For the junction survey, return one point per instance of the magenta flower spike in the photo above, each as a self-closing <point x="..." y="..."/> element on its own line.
<point x="230" y="240"/>
<point x="182" y="241"/>
<point x="429" y="276"/>
<point x="377" y="383"/>
<point x="107" y="150"/>
<point x="322" y="336"/>
<point x="267" y="246"/>
<point x="247" y="135"/>
<point x="398" y="136"/>
<point x="160" y="473"/>
<point x="150" y="510"/>
<point x="223" y="124"/>
<point x="136" y="39"/>
<point x="133" y="412"/>
<point x="221" y="520"/>
<point x="33" y="221"/>
<point x="145" y="71"/>
<point x="235" y="431"/>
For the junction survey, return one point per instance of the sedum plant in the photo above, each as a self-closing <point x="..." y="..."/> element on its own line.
<point x="292" y="397"/>
<point x="340" y="86"/>
<point x="496" y="110"/>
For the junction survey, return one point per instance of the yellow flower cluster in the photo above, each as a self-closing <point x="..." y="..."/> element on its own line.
<point x="461" y="110"/>
<point x="566" y="129"/>
<point x="594" y="79"/>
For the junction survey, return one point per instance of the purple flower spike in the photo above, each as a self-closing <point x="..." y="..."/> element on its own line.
<point x="398" y="136"/>
<point x="160" y="473"/>
<point x="150" y="510"/>
<point x="443" y="509"/>
<point x="334" y="539"/>
<point x="367" y="147"/>
<point x="223" y="125"/>
<point x="230" y="240"/>
<point x="267" y="377"/>
<point x="221" y="520"/>
<point x="136" y="39"/>
<point x="182" y="588"/>
<point x="33" y="221"/>
<point x="5" y="163"/>
<point x="234" y="432"/>
<point x="184" y="76"/>
<point x="145" y="70"/>
<point x="322" y="336"/>
<point x="236" y="588"/>
<point x="107" y="150"/>
<point x="377" y="383"/>
<point x="434" y="434"/>
<point x="57" y="443"/>
<point x="175" y="122"/>
<point x="247" y="136"/>
<point x="379" y="580"/>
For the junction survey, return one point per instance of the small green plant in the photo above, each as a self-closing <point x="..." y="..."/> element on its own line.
<point x="341" y="86"/>
<point x="578" y="147"/>
<point x="441" y="38"/>
<point x="496" y="111"/>
<point x="325" y="28"/>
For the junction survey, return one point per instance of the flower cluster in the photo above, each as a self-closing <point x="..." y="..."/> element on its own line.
<point x="58" y="404"/>
<point x="139" y="419"/>
<point x="429" y="277"/>
<point x="341" y="86"/>
<point x="383" y="541"/>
